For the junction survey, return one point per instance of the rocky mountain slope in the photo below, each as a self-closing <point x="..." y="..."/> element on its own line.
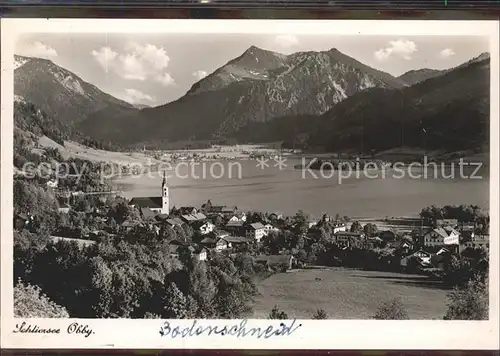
<point x="58" y="92"/>
<point x="448" y="112"/>
<point x="257" y="86"/>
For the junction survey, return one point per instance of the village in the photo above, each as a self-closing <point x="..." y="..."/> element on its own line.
<point x="209" y="229"/>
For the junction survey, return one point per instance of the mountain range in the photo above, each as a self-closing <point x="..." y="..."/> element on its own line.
<point x="310" y="99"/>
<point x="58" y="92"/>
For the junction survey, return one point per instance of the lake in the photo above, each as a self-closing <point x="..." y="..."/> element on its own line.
<point x="287" y="190"/>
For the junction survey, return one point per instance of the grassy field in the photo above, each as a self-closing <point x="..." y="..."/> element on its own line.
<point x="76" y="150"/>
<point x="348" y="294"/>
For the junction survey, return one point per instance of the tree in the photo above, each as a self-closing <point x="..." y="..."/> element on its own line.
<point x="370" y="229"/>
<point x="469" y="303"/>
<point x="356" y="227"/>
<point x="320" y="314"/>
<point x="277" y="314"/>
<point x="392" y="310"/>
<point x="30" y="302"/>
<point x="175" y="303"/>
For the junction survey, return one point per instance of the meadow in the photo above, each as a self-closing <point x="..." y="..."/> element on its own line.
<point x="348" y="294"/>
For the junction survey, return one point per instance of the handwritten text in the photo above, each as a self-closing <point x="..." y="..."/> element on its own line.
<point x="284" y="328"/>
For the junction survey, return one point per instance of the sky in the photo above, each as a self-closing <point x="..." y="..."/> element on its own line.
<point x="157" y="69"/>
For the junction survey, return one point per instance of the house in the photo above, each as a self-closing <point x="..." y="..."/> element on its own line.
<point x="237" y="217"/>
<point x="338" y="227"/>
<point x="188" y="219"/>
<point x="187" y="210"/>
<point x="274" y="261"/>
<point x="441" y="236"/>
<point x="441" y="258"/>
<point x="147" y="213"/>
<point x="404" y="245"/>
<point x="236" y="240"/>
<point x="203" y="227"/>
<point x="222" y="244"/>
<point x="174" y="222"/>
<point x="255" y="231"/>
<point x="268" y="228"/>
<point x="420" y="257"/>
<point x="229" y="210"/>
<point x="234" y="227"/>
<point x="202" y="253"/>
<point x="478" y="241"/>
<point x="208" y="242"/>
<point x="160" y="204"/>
<point x="153" y="203"/>
<point x="199" y="216"/>
<point x="347" y="239"/>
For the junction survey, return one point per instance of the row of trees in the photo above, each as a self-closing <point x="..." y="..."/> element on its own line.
<point x="133" y="280"/>
<point x="463" y="213"/>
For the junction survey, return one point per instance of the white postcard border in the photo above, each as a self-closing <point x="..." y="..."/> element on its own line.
<point x="324" y="334"/>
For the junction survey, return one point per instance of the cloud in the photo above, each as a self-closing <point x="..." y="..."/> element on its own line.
<point x="39" y="50"/>
<point x="400" y="48"/>
<point x="135" y="96"/>
<point x="165" y="80"/>
<point x="200" y="74"/>
<point x="104" y="56"/>
<point x="137" y="62"/>
<point x="446" y="53"/>
<point x="286" y="41"/>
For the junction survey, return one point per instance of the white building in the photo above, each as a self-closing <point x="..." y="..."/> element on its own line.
<point x="442" y="236"/>
<point x="255" y="231"/>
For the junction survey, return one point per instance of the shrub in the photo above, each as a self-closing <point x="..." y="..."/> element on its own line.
<point x="320" y="314"/>
<point x="30" y="302"/>
<point x="392" y="310"/>
<point x="470" y="302"/>
<point x="277" y="314"/>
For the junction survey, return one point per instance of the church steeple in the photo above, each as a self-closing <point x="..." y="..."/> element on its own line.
<point x="164" y="196"/>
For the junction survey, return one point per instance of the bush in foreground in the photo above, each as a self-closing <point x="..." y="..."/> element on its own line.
<point x="392" y="310"/>
<point x="470" y="302"/>
<point x="320" y="315"/>
<point x="29" y="302"/>
<point x="277" y="314"/>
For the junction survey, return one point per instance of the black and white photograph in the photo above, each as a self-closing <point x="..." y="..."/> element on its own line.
<point x="250" y="175"/>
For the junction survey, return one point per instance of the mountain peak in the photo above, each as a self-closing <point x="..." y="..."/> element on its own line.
<point x="261" y="52"/>
<point x="482" y="56"/>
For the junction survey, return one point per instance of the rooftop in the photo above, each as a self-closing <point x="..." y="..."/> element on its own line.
<point x="147" y="202"/>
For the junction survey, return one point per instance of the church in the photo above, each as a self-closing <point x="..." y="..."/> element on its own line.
<point x="159" y="204"/>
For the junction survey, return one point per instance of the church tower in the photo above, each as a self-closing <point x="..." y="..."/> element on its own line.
<point x="164" y="196"/>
